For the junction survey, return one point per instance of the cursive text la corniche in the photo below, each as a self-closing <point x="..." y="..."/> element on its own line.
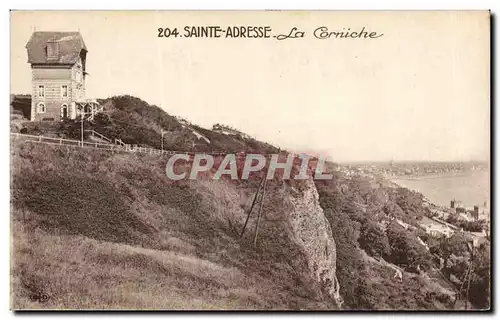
<point x="255" y="32"/>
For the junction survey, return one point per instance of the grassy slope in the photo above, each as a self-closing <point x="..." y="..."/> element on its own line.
<point x="93" y="229"/>
<point x="136" y="122"/>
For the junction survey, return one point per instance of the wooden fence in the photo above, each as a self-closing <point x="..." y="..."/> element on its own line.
<point x="96" y="145"/>
<point x="98" y="135"/>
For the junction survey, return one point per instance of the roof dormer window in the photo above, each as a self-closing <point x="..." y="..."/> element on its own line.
<point x="52" y="50"/>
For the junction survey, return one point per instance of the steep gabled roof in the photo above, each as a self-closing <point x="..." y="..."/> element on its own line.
<point x="70" y="46"/>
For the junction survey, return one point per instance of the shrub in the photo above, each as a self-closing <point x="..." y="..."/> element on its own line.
<point x="78" y="205"/>
<point x="72" y="129"/>
<point x="349" y="260"/>
<point x="374" y="240"/>
<point x="472" y="226"/>
<point x="480" y="285"/>
<point x="406" y="251"/>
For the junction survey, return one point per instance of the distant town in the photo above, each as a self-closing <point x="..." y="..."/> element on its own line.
<point x="405" y="169"/>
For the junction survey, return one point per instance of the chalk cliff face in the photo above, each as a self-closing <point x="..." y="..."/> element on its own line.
<point x="312" y="232"/>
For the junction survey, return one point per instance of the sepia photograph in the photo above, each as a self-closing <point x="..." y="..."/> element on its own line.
<point x="250" y="160"/>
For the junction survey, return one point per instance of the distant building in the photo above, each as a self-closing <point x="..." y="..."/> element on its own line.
<point x="436" y="228"/>
<point x="58" y="69"/>
<point x="460" y="209"/>
<point x="475" y="213"/>
<point x="476" y="238"/>
<point x="227" y="130"/>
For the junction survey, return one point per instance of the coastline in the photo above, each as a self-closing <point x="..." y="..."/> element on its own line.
<point x="436" y="175"/>
<point x="471" y="185"/>
<point x="471" y="189"/>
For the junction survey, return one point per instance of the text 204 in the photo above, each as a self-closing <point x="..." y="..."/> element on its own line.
<point x="166" y="32"/>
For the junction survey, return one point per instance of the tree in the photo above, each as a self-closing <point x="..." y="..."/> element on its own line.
<point x="406" y="250"/>
<point x="102" y="120"/>
<point x="393" y="210"/>
<point x="374" y="240"/>
<point x="366" y="296"/>
<point x="445" y="247"/>
<point x="479" y="292"/>
<point x="72" y="129"/>
<point x="406" y="204"/>
<point x="350" y="263"/>
<point x="472" y="226"/>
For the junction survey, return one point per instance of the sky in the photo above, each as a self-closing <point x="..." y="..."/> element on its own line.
<point x="420" y="92"/>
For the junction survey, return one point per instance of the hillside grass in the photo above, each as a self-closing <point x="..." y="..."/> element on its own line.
<point x="102" y="230"/>
<point x="134" y="121"/>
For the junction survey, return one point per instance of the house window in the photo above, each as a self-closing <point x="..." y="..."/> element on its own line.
<point x="78" y="76"/>
<point x="64" y="111"/>
<point x="64" y="91"/>
<point x="41" y="107"/>
<point x="41" y="91"/>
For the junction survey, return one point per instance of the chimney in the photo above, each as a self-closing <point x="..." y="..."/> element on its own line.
<point x="452" y="204"/>
<point x="52" y="50"/>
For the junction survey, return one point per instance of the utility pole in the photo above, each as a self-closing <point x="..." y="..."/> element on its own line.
<point x="259" y="196"/>
<point x="470" y="276"/>
<point x="260" y="213"/>
<point x="251" y="207"/>
<point x="81" y="126"/>
<point x="162" y="133"/>
<point x="467" y="278"/>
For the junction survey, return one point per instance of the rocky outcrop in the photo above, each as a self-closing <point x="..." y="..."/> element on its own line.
<point x="311" y="231"/>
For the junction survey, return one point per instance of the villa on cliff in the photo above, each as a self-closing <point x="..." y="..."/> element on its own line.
<point x="58" y="75"/>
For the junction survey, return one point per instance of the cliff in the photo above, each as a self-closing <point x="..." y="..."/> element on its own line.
<point x="95" y="229"/>
<point x="312" y="232"/>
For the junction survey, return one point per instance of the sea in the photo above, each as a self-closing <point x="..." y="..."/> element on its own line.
<point x="470" y="188"/>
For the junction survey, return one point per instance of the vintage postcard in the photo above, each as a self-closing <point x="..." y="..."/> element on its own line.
<point x="250" y="160"/>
